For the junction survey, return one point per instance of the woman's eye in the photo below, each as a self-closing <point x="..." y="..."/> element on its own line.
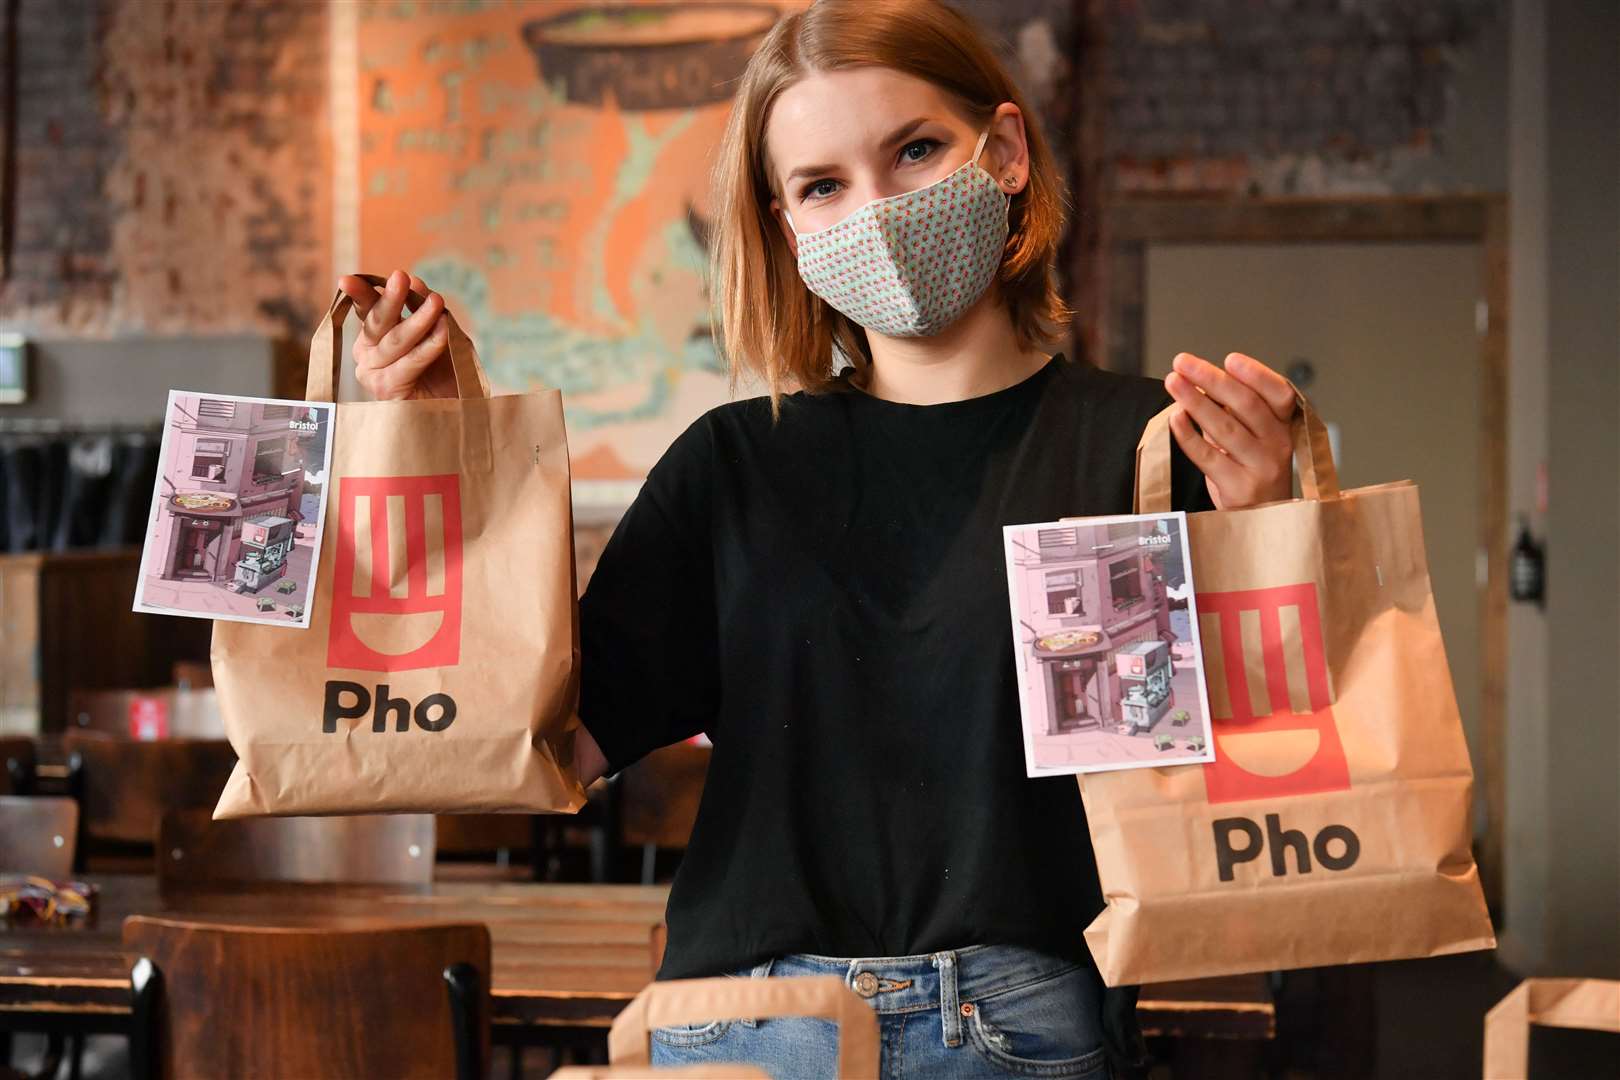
<point x="913" y="152"/>
<point x="918" y="150"/>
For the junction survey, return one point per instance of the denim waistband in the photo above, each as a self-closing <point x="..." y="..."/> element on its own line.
<point x="939" y="980"/>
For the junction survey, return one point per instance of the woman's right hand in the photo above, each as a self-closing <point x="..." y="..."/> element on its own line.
<point x="589" y="761"/>
<point x="393" y="359"/>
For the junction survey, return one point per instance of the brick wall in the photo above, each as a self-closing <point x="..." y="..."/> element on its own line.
<point x="61" y="246"/>
<point x="173" y="172"/>
<point x="172" y="168"/>
<point x="173" y="175"/>
<point x="1302" y="96"/>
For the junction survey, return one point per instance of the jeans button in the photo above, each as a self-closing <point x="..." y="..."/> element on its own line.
<point x="866" y="984"/>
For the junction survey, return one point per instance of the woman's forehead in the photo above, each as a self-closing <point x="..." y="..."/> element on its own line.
<point x="833" y="115"/>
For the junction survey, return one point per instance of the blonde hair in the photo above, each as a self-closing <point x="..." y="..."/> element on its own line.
<point x="771" y="326"/>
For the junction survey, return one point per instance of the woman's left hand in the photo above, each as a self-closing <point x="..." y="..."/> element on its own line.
<point x="1246" y="448"/>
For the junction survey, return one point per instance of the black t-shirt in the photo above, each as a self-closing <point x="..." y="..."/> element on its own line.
<point x="826" y="596"/>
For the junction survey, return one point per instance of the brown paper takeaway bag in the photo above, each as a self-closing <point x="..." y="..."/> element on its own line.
<point x="439" y="671"/>
<point x="688" y="1001"/>
<point x="1585" y="1004"/>
<point x="1332" y="827"/>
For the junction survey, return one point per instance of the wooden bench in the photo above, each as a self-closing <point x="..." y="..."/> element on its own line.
<point x="1213" y="1029"/>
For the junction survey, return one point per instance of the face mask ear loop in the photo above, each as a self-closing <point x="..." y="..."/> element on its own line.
<point x="978" y="148"/>
<point x="789" y="217"/>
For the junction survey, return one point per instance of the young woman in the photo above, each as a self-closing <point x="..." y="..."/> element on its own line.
<point x="815" y="577"/>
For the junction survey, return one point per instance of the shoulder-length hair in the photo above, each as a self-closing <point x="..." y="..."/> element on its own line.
<point x="771" y="326"/>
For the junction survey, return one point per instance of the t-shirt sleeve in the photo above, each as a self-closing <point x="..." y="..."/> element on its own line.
<point x="649" y="661"/>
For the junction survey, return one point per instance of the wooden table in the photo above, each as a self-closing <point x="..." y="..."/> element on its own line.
<point x="1230" y="1007"/>
<point x="565" y="956"/>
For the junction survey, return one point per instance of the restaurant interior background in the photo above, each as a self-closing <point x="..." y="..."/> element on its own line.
<point x="1412" y="207"/>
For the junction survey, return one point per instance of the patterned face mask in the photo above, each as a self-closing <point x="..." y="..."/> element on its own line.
<point x="910" y="264"/>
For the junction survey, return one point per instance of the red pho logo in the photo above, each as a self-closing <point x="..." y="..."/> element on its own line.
<point x="396" y="589"/>
<point x="1289" y="745"/>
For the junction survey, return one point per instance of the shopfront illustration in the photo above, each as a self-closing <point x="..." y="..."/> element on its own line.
<point x="201" y="523"/>
<point x="267" y="541"/>
<point x="1093" y="593"/>
<point x="232" y="466"/>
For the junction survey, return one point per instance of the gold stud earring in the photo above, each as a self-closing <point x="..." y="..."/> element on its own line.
<point x="1009" y="181"/>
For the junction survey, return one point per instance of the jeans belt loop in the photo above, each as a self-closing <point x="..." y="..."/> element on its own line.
<point x="950" y="1010"/>
<point x="761" y="970"/>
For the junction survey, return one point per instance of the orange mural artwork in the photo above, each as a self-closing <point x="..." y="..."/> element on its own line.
<point x="545" y="166"/>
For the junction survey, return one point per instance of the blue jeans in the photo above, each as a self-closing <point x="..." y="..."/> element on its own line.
<point x="982" y="1011"/>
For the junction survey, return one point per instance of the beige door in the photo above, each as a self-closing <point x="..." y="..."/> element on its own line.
<point x="1389" y="331"/>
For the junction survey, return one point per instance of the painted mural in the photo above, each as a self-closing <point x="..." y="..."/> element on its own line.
<point x="544" y="164"/>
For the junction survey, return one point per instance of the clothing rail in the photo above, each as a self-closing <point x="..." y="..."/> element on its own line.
<point x="50" y="425"/>
<point x="68" y="485"/>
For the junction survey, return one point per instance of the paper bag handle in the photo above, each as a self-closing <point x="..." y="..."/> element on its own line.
<point x="326" y="349"/>
<point x="1313" y="452"/>
<point x="326" y="364"/>
<point x="1589" y="1004"/>
<point x="682" y="1001"/>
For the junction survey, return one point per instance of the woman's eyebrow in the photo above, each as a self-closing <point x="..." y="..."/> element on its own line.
<point x="899" y="134"/>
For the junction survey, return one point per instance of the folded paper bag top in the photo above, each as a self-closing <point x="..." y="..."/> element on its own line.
<point x="1332" y="826"/>
<point x="709" y="1071"/>
<point x="439" y="672"/>
<point x="1587" y="1004"/>
<point x="686" y="1001"/>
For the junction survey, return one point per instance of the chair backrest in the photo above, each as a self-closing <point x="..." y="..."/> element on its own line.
<point x="41" y="836"/>
<point x="658" y="796"/>
<point x="482" y="834"/>
<point x="247" y="1002"/>
<point x="657" y="943"/>
<point x="193" y="674"/>
<point x="107" y="711"/>
<point x="190" y="712"/>
<point x="124" y="786"/>
<point x="392" y="849"/>
<point x="16" y="766"/>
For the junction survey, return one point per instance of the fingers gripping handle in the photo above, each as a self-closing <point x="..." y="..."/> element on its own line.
<point x="326" y="349"/>
<point x="1313" y="453"/>
<point x="472" y="386"/>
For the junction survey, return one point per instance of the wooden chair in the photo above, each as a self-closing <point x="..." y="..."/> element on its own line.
<point x="191" y="712"/>
<point x="1215" y="1029"/>
<point x="658" y="801"/>
<point x="650" y="805"/>
<point x="391" y="849"/>
<point x="249" y="1002"/>
<point x="124" y="787"/>
<point x="193" y="674"/>
<point x="41" y="836"/>
<point x="581" y="846"/>
<point x="657" y="942"/>
<point x="106" y="711"/>
<point x="17" y="764"/>
<point x="476" y="847"/>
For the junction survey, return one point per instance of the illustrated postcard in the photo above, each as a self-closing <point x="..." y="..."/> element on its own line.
<point x="1105" y="632"/>
<point x="237" y="509"/>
